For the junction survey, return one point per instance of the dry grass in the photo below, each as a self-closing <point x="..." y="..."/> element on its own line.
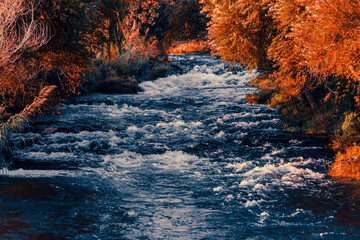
<point x="347" y="164"/>
<point x="17" y="122"/>
<point x="136" y="49"/>
<point x="35" y="106"/>
<point x="190" y="47"/>
<point x="18" y="35"/>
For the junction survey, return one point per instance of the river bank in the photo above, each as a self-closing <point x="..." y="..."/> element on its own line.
<point x="329" y="120"/>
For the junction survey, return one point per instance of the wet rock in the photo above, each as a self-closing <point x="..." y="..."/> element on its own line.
<point x="118" y="85"/>
<point x="49" y="131"/>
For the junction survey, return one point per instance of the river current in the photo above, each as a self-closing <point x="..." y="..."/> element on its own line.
<point x="186" y="158"/>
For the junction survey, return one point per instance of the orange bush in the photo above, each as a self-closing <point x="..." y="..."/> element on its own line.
<point x="193" y="46"/>
<point x="347" y="164"/>
<point x="267" y="86"/>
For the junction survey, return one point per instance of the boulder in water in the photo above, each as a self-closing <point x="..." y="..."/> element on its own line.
<point x="118" y="85"/>
<point x="48" y="131"/>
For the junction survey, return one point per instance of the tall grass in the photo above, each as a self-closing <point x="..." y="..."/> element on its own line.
<point x="135" y="52"/>
<point x="138" y="59"/>
<point x="17" y="122"/>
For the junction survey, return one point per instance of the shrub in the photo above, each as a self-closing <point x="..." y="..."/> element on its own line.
<point x="347" y="163"/>
<point x="266" y="84"/>
<point x="118" y="85"/>
<point x="190" y="47"/>
<point x="138" y="59"/>
<point x="348" y="132"/>
<point x="253" y="99"/>
<point x="351" y="125"/>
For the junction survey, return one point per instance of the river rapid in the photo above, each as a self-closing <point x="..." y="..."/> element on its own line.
<point x="186" y="158"/>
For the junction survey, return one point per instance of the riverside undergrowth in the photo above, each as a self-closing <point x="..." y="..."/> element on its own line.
<point x="336" y="120"/>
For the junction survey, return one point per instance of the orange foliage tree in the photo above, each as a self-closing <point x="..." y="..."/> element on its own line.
<point x="153" y="16"/>
<point x="76" y="38"/>
<point x="241" y="31"/>
<point x="20" y="34"/>
<point x="330" y="37"/>
<point x="287" y="51"/>
<point x="319" y="39"/>
<point x="315" y="47"/>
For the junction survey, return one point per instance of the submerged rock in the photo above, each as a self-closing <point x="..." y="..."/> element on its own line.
<point x="118" y="85"/>
<point x="50" y="130"/>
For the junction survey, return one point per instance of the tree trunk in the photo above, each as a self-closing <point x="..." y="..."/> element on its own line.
<point x="311" y="99"/>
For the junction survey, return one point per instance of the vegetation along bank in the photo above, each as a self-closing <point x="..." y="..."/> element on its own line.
<point x="308" y="55"/>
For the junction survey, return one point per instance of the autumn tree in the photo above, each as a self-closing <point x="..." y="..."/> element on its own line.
<point x="187" y="21"/>
<point x="329" y="36"/>
<point x="294" y="79"/>
<point x="75" y="40"/>
<point x="311" y="51"/>
<point x="20" y="35"/>
<point x="112" y="14"/>
<point x="318" y="42"/>
<point x="153" y="16"/>
<point x="241" y="31"/>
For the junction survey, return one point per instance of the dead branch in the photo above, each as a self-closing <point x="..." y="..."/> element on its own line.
<point x="19" y="31"/>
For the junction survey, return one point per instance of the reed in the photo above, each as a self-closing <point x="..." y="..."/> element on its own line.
<point x="17" y="122"/>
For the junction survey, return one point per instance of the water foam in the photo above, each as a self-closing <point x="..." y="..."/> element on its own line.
<point x="200" y="77"/>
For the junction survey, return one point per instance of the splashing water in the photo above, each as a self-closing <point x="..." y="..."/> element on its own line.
<point x="184" y="159"/>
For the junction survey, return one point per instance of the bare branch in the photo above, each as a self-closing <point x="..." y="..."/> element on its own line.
<point x="19" y="31"/>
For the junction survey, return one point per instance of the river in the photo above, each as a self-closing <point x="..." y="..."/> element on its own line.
<point x="186" y="158"/>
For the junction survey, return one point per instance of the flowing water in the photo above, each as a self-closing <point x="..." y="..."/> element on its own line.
<point x="186" y="158"/>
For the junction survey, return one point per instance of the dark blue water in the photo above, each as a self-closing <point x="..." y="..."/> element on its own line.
<point x="184" y="159"/>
